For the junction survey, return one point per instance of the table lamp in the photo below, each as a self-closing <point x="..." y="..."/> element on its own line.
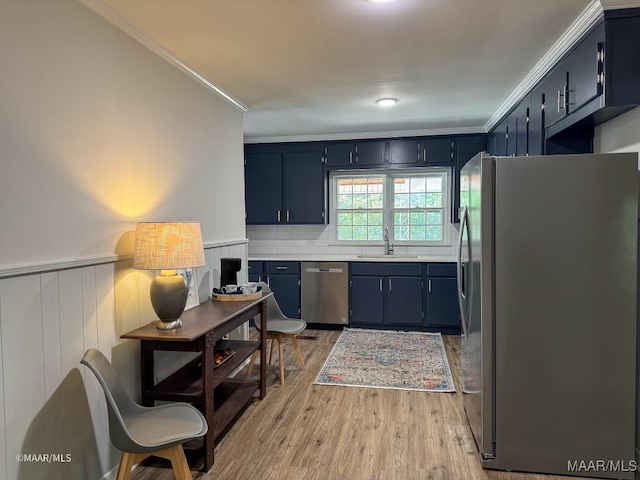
<point x="168" y="246"/>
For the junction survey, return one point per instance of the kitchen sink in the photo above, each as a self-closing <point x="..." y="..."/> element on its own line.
<point x="391" y="255"/>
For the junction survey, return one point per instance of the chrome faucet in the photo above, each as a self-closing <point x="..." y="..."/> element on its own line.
<point x="388" y="248"/>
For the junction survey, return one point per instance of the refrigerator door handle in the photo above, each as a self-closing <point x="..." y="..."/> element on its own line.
<point x="464" y="223"/>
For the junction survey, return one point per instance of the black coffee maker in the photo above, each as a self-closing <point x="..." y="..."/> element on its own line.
<point x="229" y="268"/>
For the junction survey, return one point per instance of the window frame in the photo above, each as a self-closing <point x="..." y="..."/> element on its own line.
<point x="388" y="176"/>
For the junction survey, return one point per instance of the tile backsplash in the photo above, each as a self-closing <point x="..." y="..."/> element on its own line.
<point x="319" y="240"/>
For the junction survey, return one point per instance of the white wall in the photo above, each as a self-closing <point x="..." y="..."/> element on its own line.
<point x="96" y="133"/>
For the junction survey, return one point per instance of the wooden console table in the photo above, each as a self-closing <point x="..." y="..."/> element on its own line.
<point x="219" y="397"/>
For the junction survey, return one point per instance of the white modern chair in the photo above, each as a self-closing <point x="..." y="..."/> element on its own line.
<point x="140" y="432"/>
<point x="279" y="328"/>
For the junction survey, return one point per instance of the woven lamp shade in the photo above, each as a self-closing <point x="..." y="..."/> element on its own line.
<point x="168" y="246"/>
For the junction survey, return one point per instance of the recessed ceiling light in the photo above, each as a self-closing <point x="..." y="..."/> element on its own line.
<point x="387" y="102"/>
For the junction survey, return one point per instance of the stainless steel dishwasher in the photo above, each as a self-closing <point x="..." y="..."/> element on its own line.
<point x="325" y="292"/>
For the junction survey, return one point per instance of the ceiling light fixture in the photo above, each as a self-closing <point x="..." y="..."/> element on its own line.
<point x="387" y="102"/>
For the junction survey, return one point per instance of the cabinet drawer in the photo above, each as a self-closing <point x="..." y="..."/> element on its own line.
<point x="283" y="267"/>
<point x="442" y="270"/>
<point x="255" y="267"/>
<point x="386" y="269"/>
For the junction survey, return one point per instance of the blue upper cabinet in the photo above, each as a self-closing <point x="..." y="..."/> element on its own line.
<point x="263" y="188"/>
<point x="339" y="154"/>
<point x="465" y="147"/>
<point x="370" y="152"/>
<point x="303" y="188"/>
<point x="436" y="150"/>
<point x="284" y="184"/>
<point x="403" y="151"/>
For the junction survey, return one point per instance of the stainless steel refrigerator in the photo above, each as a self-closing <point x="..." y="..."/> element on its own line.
<point x="547" y="278"/>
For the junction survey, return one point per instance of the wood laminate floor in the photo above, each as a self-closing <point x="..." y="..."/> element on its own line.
<point x="306" y="432"/>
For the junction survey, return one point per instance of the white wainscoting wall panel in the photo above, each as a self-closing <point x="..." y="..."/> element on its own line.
<point x="49" y="403"/>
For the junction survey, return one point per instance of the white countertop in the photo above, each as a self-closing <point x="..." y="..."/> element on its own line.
<point x="297" y="257"/>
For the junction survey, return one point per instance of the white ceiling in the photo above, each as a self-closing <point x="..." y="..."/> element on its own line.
<point x="312" y="69"/>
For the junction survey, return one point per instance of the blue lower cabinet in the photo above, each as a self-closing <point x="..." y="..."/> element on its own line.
<point x="284" y="280"/>
<point x="405" y="301"/>
<point x="386" y="294"/>
<point x="441" y="303"/>
<point x="367" y="301"/>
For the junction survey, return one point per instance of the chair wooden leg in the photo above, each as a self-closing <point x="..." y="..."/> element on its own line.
<point x="271" y="350"/>
<point x="179" y="463"/>
<point x="281" y="351"/>
<point x="296" y="348"/>
<point x="252" y="362"/>
<point x="127" y="461"/>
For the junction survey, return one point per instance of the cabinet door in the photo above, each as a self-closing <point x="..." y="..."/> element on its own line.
<point x="405" y="300"/>
<point x="367" y="301"/>
<point x="371" y="152"/>
<point x="436" y="150"/>
<point x="522" y="126"/>
<point x="536" y="127"/>
<point x="442" y="302"/>
<point x="499" y="139"/>
<point x="263" y="188"/>
<point x="585" y="65"/>
<point x="341" y="154"/>
<point x="286" y="289"/>
<point x="512" y="134"/>
<point x="303" y="188"/>
<point x="403" y="152"/>
<point x="466" y="148"/>
<point x="554" y="87"/>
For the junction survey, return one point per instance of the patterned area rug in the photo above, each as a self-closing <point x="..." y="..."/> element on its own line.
<point x="388" y="359"/>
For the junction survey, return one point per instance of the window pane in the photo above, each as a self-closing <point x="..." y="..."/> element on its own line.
<point x="434" y="218"/>
<point x="401" y="201"/>
<point x="375" y="233"/>
<point x="417" y="233"/>
<point x="345" y="218"/>
<point x="345" y="233"/>
<point x="360" y="200"/>
<point x="401" y="232"/>
<point x="418" y="184"/>
<point x="434" y="184"/>
<point x="360" y="232"/>
<point x="434" y="199"/>
<point x="401" y="218"/>
<point x="401" y="185"/>
<point x="375" y="218"/>
<point x="375" y="200"/>
<point x="345" y="202"/>
<point x="434" y="234"/>
<point x="360" y="218"/>
<point x="418" y="218"/>
<point x="345" y="186"/>
<point x="418" y="200"/>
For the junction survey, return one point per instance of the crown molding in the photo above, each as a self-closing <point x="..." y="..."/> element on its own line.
<point x="589" y="17"/>
<point x="113" y="17"/>
<point x="365" y="135"/>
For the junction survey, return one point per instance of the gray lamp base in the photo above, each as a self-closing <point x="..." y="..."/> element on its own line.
<point x="168" y="294"/>
<point x="160" y="325"/>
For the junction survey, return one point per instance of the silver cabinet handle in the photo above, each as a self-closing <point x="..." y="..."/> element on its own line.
<point x="429" y="286"/>
<point x="424" y="154"/>
<point x="278" y="215"/>
<point x="281" y="268"/>
<point x="380" y="284"/>
<point x="390" y="286"/>
<point x="350" y="157"/>
<point x="287" y="216"/>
